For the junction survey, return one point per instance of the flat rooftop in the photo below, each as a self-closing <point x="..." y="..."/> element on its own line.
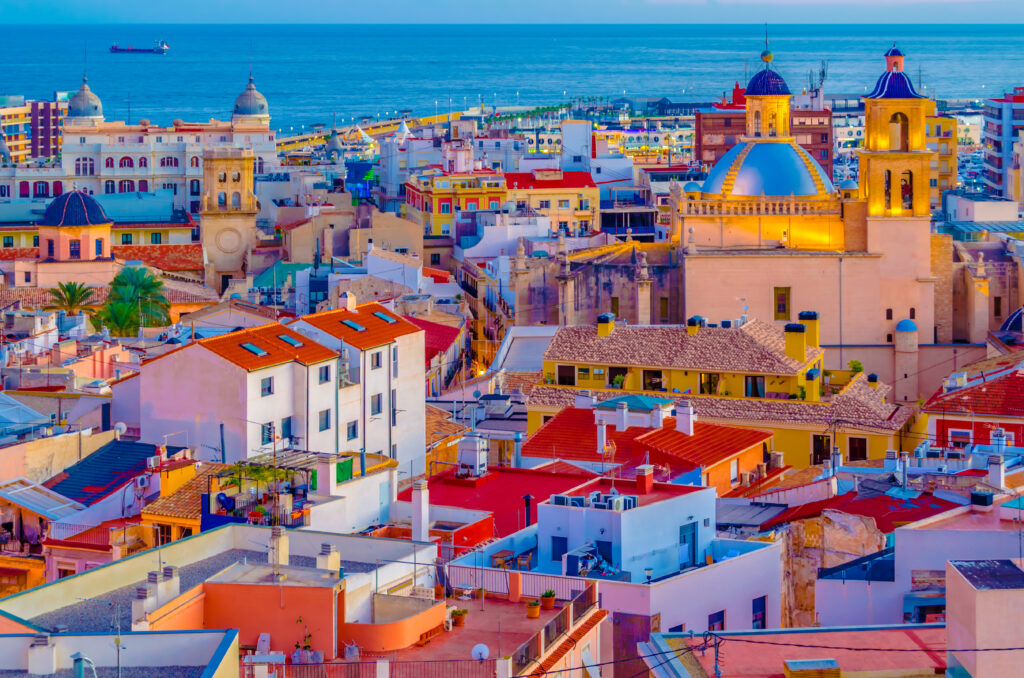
<point x="990" y="575"/>
<point x="259" y="573"/>
<point x="973" y="520"/>
<point x="660" y="491"/>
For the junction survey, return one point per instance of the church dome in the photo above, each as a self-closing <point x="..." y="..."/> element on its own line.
<point x="75" y="208"/>
<point x="251" y="102"/>
<point x="849" y="185"/>
<point x="772" y="168"/>
<point x="906" y="325"/>
<point x="766" y="82"/>
<point x="85" y="104"/>
<point x="691" y="187"/>
<point x="894" y="85"/>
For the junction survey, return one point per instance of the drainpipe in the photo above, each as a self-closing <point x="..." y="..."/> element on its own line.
<point x="517" y="458"/>
<point x="528" y="498"/>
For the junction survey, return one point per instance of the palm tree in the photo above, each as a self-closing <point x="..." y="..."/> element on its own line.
<point x="137" y="286"/>
<point x="72" y="298"/>
<point x="120" y="317"/>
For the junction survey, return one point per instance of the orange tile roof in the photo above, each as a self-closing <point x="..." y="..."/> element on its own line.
<point x="570" y="641"/>
<point x="185" y="501"/>
<point x="710" y="444"/>
<point x="268" y="338"/>
<point x="12" y="253"/>
<point x="376" y="332"/>
<point x="167" y="257"/>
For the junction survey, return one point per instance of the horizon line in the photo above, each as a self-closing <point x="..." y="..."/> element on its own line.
<point x="270" y="22"/>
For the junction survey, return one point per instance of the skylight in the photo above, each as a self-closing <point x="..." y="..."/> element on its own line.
<point x="288" y="339"/>
<point x="254" y="349"/>
<point x="385" y="317"/>
<point x="353" y="325"/>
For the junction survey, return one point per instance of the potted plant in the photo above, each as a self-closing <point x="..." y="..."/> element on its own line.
<point x="547" y="600"/>
<point x="303" y="649"/>
<point x="459" y="616"/>
<point x="617" y="380"/>
<point x="533" y="609"/>
<point x="438" y="591"/>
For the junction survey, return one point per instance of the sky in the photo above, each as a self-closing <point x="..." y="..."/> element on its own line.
<point x="517" y="12"/>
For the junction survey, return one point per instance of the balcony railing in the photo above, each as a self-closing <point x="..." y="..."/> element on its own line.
<point x="757" y="206"/>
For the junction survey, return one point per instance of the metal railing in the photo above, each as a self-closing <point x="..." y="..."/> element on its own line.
<point x="558" y="625"/>
<point x="72" y="532"/>
<point x="565" y="588"/>
<point x="469" y="577"/>
<point x="451" y="668"/>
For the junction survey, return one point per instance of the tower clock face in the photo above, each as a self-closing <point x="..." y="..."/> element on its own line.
<point x="229" y="240"/>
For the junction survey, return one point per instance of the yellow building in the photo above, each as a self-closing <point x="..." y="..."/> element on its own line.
<point x="15" y="126"/>
<point x="228" y="213"/>
<point x="941" y="137"/>
<point x="178" y="511"/>
<point x="433" y="198"/>
<point x="754" y="375"/>
<point x="570" y="199"/>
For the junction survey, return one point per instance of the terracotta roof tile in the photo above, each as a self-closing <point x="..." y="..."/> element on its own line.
<point x="1001" y="396"/>
<point x="167" y="257"/>
<point x="376" y="330"/>
<point x="439" y="425"/>
<point x="185" y="501"/>
<point x="757" y="348"/>
<point x="437" y="338"/>
<point x="570" y="641"/>
<point x="273" y="350"/>
<point x="12" y="253"/>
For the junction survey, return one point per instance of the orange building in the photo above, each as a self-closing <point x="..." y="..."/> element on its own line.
<point x="432" y="199"/>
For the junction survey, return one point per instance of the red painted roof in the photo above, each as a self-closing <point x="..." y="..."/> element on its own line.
<point x="888" y="512"/>
<point x="973" y="472"/>
<point x="169" y="257"/>
<point x="710" y="444"/>
<point x="289" y="225"/>
<point x="437" y="275"/>
<point x="526" y="180"/>
<point x="500" y="492"/>
<point x="437" y="338"/>
<point x="12" y="253"/>
<point x="376" y="330"/>
<point x="1002" y="396"/>
<point x="572" y="434"/>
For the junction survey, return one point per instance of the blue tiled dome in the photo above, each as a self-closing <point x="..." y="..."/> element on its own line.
<point x="766" y="82"/>
<point x="76" y="208"/>
<point x="894" y="85"/>
<point x="849" y="185"/>
<point x="1014" y="322"/>
<point x="894" y="51"/>
<point x="770" y="168"/>
<point x="251" y="102"/>
<point x="691" y="186"/>
<point x="906" y="325"/>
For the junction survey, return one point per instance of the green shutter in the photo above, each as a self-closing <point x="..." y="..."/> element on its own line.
<point x="312" y="481"/>
<point x="343" y="470"/>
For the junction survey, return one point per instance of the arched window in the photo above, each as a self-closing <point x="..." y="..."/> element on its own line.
<point x="193" y="187"/>
<point x="194" y="161"/>
<point x="109" y="163"/>
<point x="126" y="186"/>
<point x="126" y="162"/>
<point x="23" y="189"/>
<point x="887" y="181"/>
<point x="259" y="165"/>
<point x="913" y="313"/>
<point x="168" y="161"/>
<point x="108" y="186"/>
<point x="899" y="131"/>
<point x="772" y="126"/>
<point x="58" y="188"/>
<point x="907" y="189"/>
<point x="757" y="123"/>
<point x="236" y="200"/>
<point x="222" y="199"/>
<point x="222" y="177"/>
<point x="143" y="162"/>
<point x="143" y="186"/>
<point x="41" y="189"/>
<point x="236" y="177"/>
<point x="5" y="192"/>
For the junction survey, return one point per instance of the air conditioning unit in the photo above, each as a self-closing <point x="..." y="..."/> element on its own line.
<point x="617" y="504"/>
<point x="153" y="462"/>
<point x="142" y="481"/>
<point x="559" y="500"/>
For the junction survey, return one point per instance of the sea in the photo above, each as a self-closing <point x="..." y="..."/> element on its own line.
<point x="313" y="74"/>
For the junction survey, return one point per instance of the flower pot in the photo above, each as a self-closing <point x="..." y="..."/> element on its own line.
<point x="532" y="611"/>
<point x="438" y="592"/>
<point x="547" y="603"/>
<point x="459" y="620"/>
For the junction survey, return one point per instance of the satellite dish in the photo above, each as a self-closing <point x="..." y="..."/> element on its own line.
<point x="121" y="427"/>
<point x="480" y="652"/>
<point x="476" y="394"/>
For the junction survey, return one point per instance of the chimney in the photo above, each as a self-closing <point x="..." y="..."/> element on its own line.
<point x="605" y="324"/>
<point x="809" y="319"/>
<point x="796" y="342"/>
<point x="904" y="463"/>
<point x="42" y="656"/>
<point x="170" y="585"/>
<point x="998" y="441"/>
<point x="685" y="417"/>
<point x="873" y="380"/>
<point x="657" y="416"/>
<point x="142" y="603"/>
<point x="278" y="552"/>
<point x="644" y="479"/>
<point x="602" y="436"/>
<point x="621" y="416"/>
<point x="347" y="300"/>
<point x="996" y="473"/>
<point x="837" y="457"/>
<point x="776" y="460"/>
<point x="326" y="476"/>
<point x="420" y="511"/>
<point x="328" y="559"/>
<point x="693" y="325"/>
<point x="584" y="400"/>
<point x="528" y="500"/>
<point x="812" y="389"/>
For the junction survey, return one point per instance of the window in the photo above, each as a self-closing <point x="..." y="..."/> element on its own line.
<point x="663" y="309"/>
<point x="782" y="297"/>
<point x="193" y="187"/>
<point x="49" y="248"/>
<point x="325" y="420"/>
<point x="163" y="533"/>
<point x="566" y="375"/>
<point x="888" y="314"/>
<point x="35" y="241"/>
<point x="375" y="360"/>
<point x="222" y="199"/>
<point x="65" y="572"/>
<point x="376" y="404"/>
<point x="959" y="438"/>
<point x="709" y="383"/>
<point x="544" y="204"/>
<point x="446" y="208"/>
<point x="143" y="186"/>
<point x="194" y="161"/>
<point x="143" y="162"/>
<point x="559" y="545"/>
<point x="236" y="200"/>
<point x="4" y="192"/>
<point x="716" y="621"/>
<point x="821" y="448"/>
<point x="997" y="307"/>
<point x="758" y="609"/>
<point x="75" y="249"/>
<point x="394" y="361"/>
<point x="8" y="241"/>
<point x="286" y="428"/>
<point x="394" y="407"/>
<point x="266" y="433"/>
<point x="913" y="313"/>
<point x="109" y="163"/>
<point x="126" y="186"/>
<point x="615" y="306"/>
<point x="753" y="387"/>
<point x="857" y="449"/>
<point x="435" y="259"/>
<point x="236" y="177"/>
<point x="126" y="162"/>
<point x="352" y="429"/>
<point x="99" y="247"/>
<point x="563" y="204"/>
<point x="734" y="471"/>
<point x="126" y="238"/>
<point x="266" y="386"/>
<point x="155" y="239"/>
<point x="325" y="374"/>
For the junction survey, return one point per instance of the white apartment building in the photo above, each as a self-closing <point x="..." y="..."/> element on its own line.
<point x="121" y="157"/>
<point x="385" y="356"/>
<point x="244" y="393"/>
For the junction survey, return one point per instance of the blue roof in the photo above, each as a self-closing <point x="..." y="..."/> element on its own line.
<point x="766" y="82"/>
<point x="771" y="168"/>
<point x="906" y="325"/>
<point x="894" y="51"/>
<point x="75" y="208"/>
<point x="1013" y="322"/>
<point x="894" y="85"/>
<point x="636" y="403"/>
<point x="106" y="470"/>
<point x="849" y="184"/>
<point x="691" y="186"/>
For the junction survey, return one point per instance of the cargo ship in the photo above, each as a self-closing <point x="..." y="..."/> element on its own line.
<point x="159" y="47"/>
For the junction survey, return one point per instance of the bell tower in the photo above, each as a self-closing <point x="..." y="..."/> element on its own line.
<point x="227" y="213"/>
<point x="895" y="164"/>
<point x="767" y="102"/>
